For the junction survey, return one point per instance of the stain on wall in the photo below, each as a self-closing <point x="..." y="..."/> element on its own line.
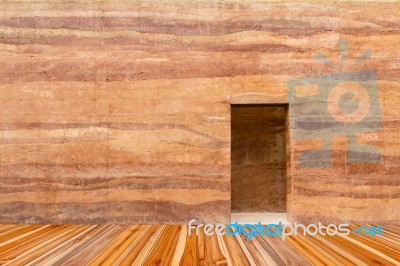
<point x="258" y="159"/>
<point x="118" y="111"/>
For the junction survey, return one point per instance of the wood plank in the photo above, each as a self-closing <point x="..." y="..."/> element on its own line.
<point x="43" y="247"/>
<point x="190" y="256"/>
<point x="170" y="245"/>
<point x="284" y="251"/>
<point x="236" y="254"/>
<point x="140" y="252"/>
<point x="117" y="112"/>
<point x="163" y="251"/>
<point x="68" y="247"/>
<point x="89" y="251"/>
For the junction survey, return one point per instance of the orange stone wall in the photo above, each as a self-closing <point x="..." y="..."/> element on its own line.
<point x="119" y="111"/>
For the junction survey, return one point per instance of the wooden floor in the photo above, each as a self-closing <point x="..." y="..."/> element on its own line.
<point x="170" y="245"/>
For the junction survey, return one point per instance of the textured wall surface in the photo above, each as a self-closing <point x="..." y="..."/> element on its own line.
<point x="118" y="111"/>
<point x="258" y="159"/>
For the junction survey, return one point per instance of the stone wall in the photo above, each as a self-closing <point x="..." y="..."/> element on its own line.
<point x="119" y="111"/>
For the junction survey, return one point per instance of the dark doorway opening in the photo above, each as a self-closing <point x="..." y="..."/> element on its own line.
<point x="258" y="158"/>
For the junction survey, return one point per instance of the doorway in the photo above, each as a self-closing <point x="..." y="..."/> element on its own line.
<point x="258" y="158"/>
